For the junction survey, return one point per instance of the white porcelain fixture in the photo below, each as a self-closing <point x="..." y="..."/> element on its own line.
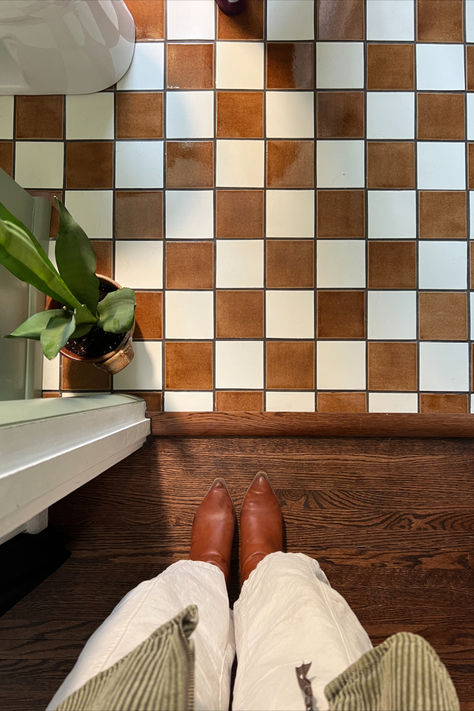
<point x="64" y="46"/>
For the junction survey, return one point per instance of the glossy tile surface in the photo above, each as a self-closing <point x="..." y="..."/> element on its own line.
<point x="290" y="191"/>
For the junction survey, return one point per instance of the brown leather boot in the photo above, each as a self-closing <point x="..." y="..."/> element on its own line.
<point x="261" y="525"/>
<point x="213" y="528"/>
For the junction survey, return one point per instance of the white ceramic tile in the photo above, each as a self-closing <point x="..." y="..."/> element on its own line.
<point x="190" y="114"/>
<point x="441" y="165"/>
<point x="390" y="20"/>
<point x="6" y="117"/>
<point x="290" y="19"/>
<point x="340" y="164"/>
<point x="139" y="263"/>
<point x="39" y="164"/>
<point x="471" y="314"/>
<point x="239" y="65"/>
<point x="189" y="314"/>
<point x="469" y="20"/>
<point x="340" y="65"/>
<point x="290" y="114"/>
<point x="147" y="68"/>
<point x="239" y="364"/>
<point x="190" y="19"/>
<point x="290" y="213"/>
<point x="51" y="373"/>
<point x="439" y="67"/>
<point x="289" y="314"/>
<point x="289" y="402"/>
<point x="471" y="214"/>
<point x="391" y="315"/>
<point x="139" y="164"/>
<point x="340" y="365"/>
<point x="90" y="116"/>
<point x="472" y="404"/>
<point x="340" y="263"/>
<point x="189" y="214"/>
<point x="391" y="214"/>
<point x="188" y="401"/>
<point x="470" y="116"/>
<point x="442" y="265"/>
<point x="444" y="366"/>
<point x="393" y="402"/>
<point x="240" y="164"/>
<point x="92" y="210"/>
<point x="390" y="114"/>
<point x="145" y="370"/>
<point x="239" y="263"/>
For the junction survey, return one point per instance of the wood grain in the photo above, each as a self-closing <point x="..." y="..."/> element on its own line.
<point x="389" y="519"/>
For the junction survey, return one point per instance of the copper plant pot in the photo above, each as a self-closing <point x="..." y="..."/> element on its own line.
<point x="113" y="361"/>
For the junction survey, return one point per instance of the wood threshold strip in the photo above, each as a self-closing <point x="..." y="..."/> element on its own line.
<point x="314" y="424"/>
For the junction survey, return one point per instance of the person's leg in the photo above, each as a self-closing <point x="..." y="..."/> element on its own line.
<point x="287" y="615"/>
<point x="200" y="582"/>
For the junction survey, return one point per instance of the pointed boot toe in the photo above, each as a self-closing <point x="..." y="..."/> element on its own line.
<point x="261" y="525"/>
<point x="213" y="528"/>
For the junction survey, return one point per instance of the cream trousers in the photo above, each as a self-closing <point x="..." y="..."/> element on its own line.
<point x="287" y="614"/>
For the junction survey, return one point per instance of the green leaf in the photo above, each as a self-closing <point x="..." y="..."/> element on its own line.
<point x="117" y="310"/>
<point x="10" y="217"/>
<point x="57" y="333"/>
<point x="22" y="258"/>
<point x="76" y="260"/>
<point x="82" y="329"/>
<point x="34" y="326"/>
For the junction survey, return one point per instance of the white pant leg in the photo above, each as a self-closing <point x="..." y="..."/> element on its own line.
<point x="287" y="615"/>
<point x="151" y="604"/>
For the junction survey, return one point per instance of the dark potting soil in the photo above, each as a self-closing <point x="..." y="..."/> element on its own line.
<point x="97" y="342"/>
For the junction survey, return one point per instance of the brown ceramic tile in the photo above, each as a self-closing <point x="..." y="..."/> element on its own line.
<point x="83" y="376"/>
<point x="341" y="213"/>
<point x="148" y="315"/>
<point x="442" y="316"/>
<point x="442" y="215"/>
<point x="439" y="21"/>
<point x="390" y="67"/>
<point x="341" y="402"/>
<point x="239" y="114"/>
<point x="290" y="65"/>
<point x="49" y="195"/>
<point x="239" y="214"/>
<point x="189" y="265"/>
<point x="189" y="164"/>
<point x="50" y="394"/>
<point x="239" y="314"/>
<point x="289" y="263"/>
<point x="241" y="400"/>
<point x="390" y="164"/>
<point x="139" y="114"/>
<point x="471" y="165"/>
<point x="149" y="16"/>
<point x="190" y="66"/>
<point x="470" y="67"/>
<point x="441" y="116"/>
<point x="343" y="20"/>
<point x="154" y="400"/>
<point x="103" y="250"/>
<point x="340" y="114"/>
<point x="341" y="314"/>
<point x="290" y="164"/>
<point x="188" y="366"/>
<point x="444" y="403"/>
<point x="139" y="215"/>
<point x="6" y="157"/>
<point x="89" y="164"/>
<point x="39" y="117"/>
<point x="471" y="264"/>
<point x="245" y="26"/>
<point x="391" y="265"/>
<point x="290" y="365"/>
<point x="392" y="366"/>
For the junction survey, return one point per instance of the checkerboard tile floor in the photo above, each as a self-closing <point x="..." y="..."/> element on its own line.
<point x="290" y="193"/>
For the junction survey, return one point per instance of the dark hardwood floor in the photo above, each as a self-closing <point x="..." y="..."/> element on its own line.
<point x="390" y="520"/>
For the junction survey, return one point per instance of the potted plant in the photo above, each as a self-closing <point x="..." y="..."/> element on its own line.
<point x="88" y="317"/>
